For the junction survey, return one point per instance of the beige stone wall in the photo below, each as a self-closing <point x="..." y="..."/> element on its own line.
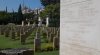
<point x="80" y="27"/>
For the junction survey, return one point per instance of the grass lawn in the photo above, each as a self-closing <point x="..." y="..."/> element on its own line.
<point x="6" y="42"/>
<point x="48" y="53"/>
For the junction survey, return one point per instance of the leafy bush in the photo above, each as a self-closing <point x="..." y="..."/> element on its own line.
<point x="47" y="47"/>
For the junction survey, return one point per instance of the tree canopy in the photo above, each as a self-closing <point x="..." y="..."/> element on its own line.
<point x="51" y="9"/>
<point x="48" y="2"/>
<point x="20" y="15"/>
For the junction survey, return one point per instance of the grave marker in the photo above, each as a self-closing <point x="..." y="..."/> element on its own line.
<point x="56" y="43"/>
<point x="37" y="42"/>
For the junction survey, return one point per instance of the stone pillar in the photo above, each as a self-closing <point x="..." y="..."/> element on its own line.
<point x="22" y="23"/>
<point x="39" y="22"/>
<point x="28" y="23"/>
<point x="47" y="21"/>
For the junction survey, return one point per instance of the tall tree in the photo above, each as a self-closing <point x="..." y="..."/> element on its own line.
<point x="20" y="15"/>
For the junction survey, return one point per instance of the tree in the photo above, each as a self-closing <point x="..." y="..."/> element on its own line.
<point x="13" y="17"/>
<point x="4" y="17"/>
<point x="20" y="15"/>
<point x="53" y="11"/>
<point x="48" y="2"/>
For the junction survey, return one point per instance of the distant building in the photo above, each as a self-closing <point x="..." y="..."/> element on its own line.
<point x="25" y="10"/>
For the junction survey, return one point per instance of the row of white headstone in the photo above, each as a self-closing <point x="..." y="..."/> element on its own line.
<point x="39" y="22"/>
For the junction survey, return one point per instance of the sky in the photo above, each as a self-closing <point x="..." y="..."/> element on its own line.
<point x="14" y="4"/>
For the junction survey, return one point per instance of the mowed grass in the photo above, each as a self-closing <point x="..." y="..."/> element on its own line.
<point x="7" y="42"/>
<point x="48" y="53"/>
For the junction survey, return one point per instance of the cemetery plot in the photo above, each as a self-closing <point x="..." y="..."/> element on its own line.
<point x="40" y="39"/>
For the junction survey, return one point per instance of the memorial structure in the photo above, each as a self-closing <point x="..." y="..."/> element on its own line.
<point x="80" y="25"/>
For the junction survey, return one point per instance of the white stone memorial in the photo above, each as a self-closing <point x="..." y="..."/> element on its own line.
<point x="47" y="21"/>
<point x="80" y="27"/>
<point x="29" y="23"/>
<point x="39" y="21"/>
<point x="22" y="23"/>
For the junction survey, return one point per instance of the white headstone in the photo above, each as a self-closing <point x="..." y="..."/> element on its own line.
<point x="47" y="21"/>
<point x="28" y="23"/>
<point x="22" y="23"/>
<point x="39" y="22"/>
<point x="80" y="27"/>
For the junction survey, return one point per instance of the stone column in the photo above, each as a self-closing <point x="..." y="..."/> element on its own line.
<point x="47" y="21"/>
<point x="39" y="22"/>
<point x="22" y="23"/>
<point x="29" y="23"/>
